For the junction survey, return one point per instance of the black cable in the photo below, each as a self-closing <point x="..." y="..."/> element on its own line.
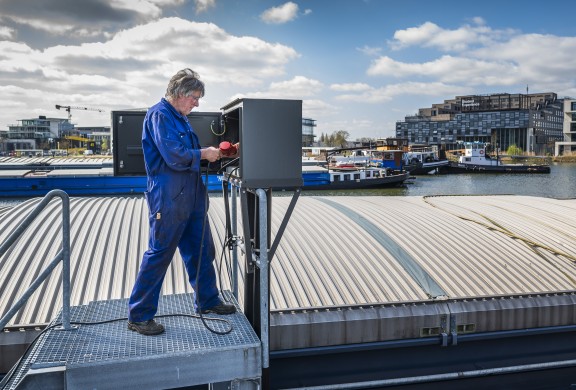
<point x="228" y="163"/>
<point x="206" y="199"/>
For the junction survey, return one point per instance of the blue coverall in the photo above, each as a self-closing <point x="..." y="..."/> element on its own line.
<point x="177" y="203"/>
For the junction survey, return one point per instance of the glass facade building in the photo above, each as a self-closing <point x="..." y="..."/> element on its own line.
<point x="308" y="126"/>
<point x="533" y="123"/>
<point x="40" y="128"/>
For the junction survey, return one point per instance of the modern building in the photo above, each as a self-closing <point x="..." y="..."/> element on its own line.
<point x="99" y="137"/>
<point x="40" y="128"/>
<point x="3" y="142"/>
<point x="568" y="145"/>
<point x="532" y="122"/>
<point x="308" y="136"/>
<point x="37" y="133"/>
<point x="44" y="133"/>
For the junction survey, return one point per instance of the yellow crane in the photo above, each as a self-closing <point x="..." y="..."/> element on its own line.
<point x="69" y="108"/>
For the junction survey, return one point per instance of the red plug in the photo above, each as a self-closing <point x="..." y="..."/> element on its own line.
<point x="227" y="149"/>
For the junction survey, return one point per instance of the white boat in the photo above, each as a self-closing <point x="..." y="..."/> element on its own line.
<point x="476" y="158"/>
<point x="323" y="178"/>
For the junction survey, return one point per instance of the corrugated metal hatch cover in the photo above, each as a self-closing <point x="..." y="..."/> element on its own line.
<point x="392" y="265"/>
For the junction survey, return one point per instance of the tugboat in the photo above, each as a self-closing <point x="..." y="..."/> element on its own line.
<point x="476" y="159"/>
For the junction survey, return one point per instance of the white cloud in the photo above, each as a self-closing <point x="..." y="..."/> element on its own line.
<point x="352" y="87"/>
<point x="281" y="14"/>
<point x="132" y="69"/>
<point x="299" y="87"/>
<point x="6" y="32"/>
<point x="508" y="64"/>
<point x="147" y="8"/>
<point x="370" y="51"/>
<point x="389" y="92"/>
<point x="467" y="71"/>
<point x="537" y="55"/>
<point x="431" y="35"/>
<point x="204" y="5"/>
<point x="318" y="109"/>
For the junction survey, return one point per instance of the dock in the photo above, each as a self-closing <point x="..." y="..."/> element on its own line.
<point x="101" y="353"/>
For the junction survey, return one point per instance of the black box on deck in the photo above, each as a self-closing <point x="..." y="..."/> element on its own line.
<point x="269" y="132"/>
<point x="127" y="139"/>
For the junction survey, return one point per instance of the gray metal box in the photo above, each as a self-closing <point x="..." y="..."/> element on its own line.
<point x="127" y="138"/>
<point x="270" y="135"/>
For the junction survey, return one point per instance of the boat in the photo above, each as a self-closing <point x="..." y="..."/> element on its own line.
<point x="355" y="168"/>
<point x="324" y="178"/>
<point x="28" y="177"/>
<point x="477" y="159"/>
<point x="421" y="161"/>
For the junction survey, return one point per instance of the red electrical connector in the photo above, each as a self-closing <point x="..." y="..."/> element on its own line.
<point x="227" y="149"/>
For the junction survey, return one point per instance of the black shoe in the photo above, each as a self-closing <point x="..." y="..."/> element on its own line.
<point x="147" y="328"/>
<point x="220" y="308"/>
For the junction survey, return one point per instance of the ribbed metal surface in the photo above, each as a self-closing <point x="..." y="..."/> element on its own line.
<point x="55" y="161"/>
<point x="14" y="172"/>
<point x="336" y="251"/>
<point x="96" y="352"/>
<point x="82" y="172"/>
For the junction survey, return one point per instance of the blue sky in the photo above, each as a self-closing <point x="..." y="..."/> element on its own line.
<point x="357" y="65"/>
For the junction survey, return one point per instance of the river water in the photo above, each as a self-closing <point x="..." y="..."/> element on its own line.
<point x="559" y="183"/>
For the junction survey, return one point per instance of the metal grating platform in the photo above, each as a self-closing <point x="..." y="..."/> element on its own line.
<point x="109" y="356"/>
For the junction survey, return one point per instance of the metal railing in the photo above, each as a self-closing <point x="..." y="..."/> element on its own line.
<point x="63" y="255"/>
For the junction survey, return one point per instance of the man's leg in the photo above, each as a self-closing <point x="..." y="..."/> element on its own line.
<point x="198" y="234"/>
<point x="164" y="236"/>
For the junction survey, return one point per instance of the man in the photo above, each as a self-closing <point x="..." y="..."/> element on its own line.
<point x="177" y="203"/>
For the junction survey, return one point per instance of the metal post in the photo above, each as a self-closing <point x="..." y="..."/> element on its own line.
<point x="234" y="224"/>
<point x="65" y="261"/>
<point x="264" y="269"/>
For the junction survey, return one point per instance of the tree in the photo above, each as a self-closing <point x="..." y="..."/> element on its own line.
<point x="336" y="139"/>
<point x="514" y="150"/>
<point x="341" y="138"/>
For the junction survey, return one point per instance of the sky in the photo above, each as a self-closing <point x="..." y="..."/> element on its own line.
<point x="357" y="65"/>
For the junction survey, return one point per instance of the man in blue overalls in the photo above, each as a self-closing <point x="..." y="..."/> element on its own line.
<point x="177" y="204"/>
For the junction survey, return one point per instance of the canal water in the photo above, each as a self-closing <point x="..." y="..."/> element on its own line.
<point x="559" y="183"/>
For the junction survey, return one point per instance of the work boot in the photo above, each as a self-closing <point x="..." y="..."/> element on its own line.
<point x="220" y="308"/>
<point x="147" y="328"/>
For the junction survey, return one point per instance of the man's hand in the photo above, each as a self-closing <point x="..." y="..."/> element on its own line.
<point x="211" y="154"/>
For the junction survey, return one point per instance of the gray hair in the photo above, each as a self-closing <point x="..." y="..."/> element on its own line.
<point x="184" y="83"/>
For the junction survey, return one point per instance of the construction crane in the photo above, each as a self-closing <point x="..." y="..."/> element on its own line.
<point x="68" y="108"/>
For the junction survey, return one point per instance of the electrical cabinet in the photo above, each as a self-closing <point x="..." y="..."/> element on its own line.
<point x="269" y="132"/>
<point x="270" y="136"/>
<point x="127" y="139"/>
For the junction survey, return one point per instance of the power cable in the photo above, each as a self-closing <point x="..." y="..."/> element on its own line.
<point x="206" y="200"/>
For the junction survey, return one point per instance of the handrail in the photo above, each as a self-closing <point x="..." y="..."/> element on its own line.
<point x="63" y="255"/>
